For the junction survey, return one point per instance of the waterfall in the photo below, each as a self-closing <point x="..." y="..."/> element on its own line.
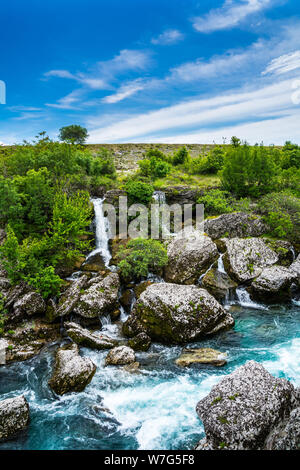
<point x="221" y="268"/>
<point x="102" y="232"/>
<point x="245" y="301"/>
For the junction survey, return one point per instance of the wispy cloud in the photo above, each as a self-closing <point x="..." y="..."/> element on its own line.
<point x="125" y="91"/>
<point x="229" y="15"/>
<point x="69" y="101"/>
<point x="283" y="64"/>
<point x="273" y="101"/>
<point x="168" y="37"/>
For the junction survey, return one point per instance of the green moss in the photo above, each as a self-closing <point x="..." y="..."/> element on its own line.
<point x="215" y="401"/>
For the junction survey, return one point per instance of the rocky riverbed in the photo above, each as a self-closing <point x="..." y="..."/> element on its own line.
<point x="107" y="366"/>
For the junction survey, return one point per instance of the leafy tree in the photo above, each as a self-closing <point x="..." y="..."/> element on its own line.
<point x="215" y="202"/>
<point x="73" y="134"/>
<point x="235" y="141"/>
<point x="140" y="257"/>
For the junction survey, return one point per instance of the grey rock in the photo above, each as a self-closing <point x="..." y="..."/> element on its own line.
<point x="273" y="282"/>
<point x="14" y="416"/>
<point x="30" y="304"/>
<point x="286" y="436"/>
<point x="140" y="342"/>
<point x="173" y="313"/>
<point x="244" y="407"/>
<point x="86" y="338"/>
<point x="120" y="356"/>
<point x="295" y="269"/>
<point x="247" y="258"/>
<point x="237" y="224"/>
<point x="218" y="284"/>
<point x="70" y="297"/>
<point x="100" y="298"/>
<point x="72" y="373"/>
<point x="189" y="258"/>
<point x="209" y="356"/>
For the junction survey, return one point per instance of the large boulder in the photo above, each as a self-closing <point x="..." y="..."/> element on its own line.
<point x="94" y="263"/>
<point x="88" y="339"/>
<point x="120" y="356"/>
<point x="273" y="283"/>
<point x="72" y="373"/>
<point x="247" y="257"/>
<point x="14" y="416"/>
<point x="173" y="313"/>
<point x="244" y="407"/>
<point x="218" y="284"/>
<point x="237" y="224"/>
<point x="100" y="297"/>
<point x="189" y="258"/>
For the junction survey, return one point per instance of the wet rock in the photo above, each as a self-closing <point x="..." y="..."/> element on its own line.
<point x="14" y="416"/>
<point x="218" y="284"/>
<point x="127" y="298"/>
<point x="237" y="224"/>
<point x="247" y="258"/>
<point x="209" y="356"/>
<point x="120" y="356"/>
<point x="244" y="407"/>
<point x="115" y="315"/>
<point x="94" y="263"/>
<point x="22" y="352"/>
<point x="189" y="258"/>
<point x="100" y="297"/>
<point x="70" y="297"/>
<point x="140" y="342"/>
<point x="133" y="367"/>
<point x="86" y="338"/>
<point x="72" y="373"/>
<point x="141" y="287"/>
<point x="273" y="283"/>
<point x="284" y="250"/>
<point x="173" y="313"/>
<point x="295" y="269"/>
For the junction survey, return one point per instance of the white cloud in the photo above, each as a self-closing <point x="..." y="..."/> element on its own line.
<point x="70" y="101"/>
<point x="125" y="91"/>
<point x="168" y="37"/>
<point x="229" y="15"/>
<point x="261" y="106"/>
<point x="283" y="64"/>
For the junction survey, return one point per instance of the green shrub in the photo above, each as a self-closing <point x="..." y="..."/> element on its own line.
<point x="139" y="192"/>
<point x="181" y="156"/>
<point x="281" y="211"/>
<point x="103" y="164"/>
<point x="140" y="257"/>
<point x="215" y="202"/>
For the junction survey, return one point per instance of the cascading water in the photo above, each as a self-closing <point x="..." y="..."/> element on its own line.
<point x="221" y="268"/>
<point x="102" y="232"/>
<point x="244" y="300"/>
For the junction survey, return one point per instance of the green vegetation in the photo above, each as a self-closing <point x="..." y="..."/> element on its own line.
<point x="45" y="208"/>
<point x="140" y="257"/>
<point x="139" y="192"/>
<point x="73" y="134"/>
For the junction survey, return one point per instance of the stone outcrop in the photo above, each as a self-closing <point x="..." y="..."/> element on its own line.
<point x="30" y="304"/>
<point x="14" y="416"/>
<point x="140" y="342"/>
<point x="243" y="409"/>
<point x="202" y="356"/>
<point x="246" y="258"/>
<point x="86" y="338"/>
<point x="295" y="269"/>
<point x="237" y="224"/>
<point x="173" y="313"/>
<point x="100" y="297"/>
<point x="71" y="296"/>
<point x="94" y="263"/>
<point x="120" y="356"/>
<point x="287" y="435"/>
<point x="189" y="258"/>
<point x="273" y="283"/>
<point x="72" y="373"/>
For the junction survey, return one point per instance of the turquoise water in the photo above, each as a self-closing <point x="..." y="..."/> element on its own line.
<point x="153" y="409"/>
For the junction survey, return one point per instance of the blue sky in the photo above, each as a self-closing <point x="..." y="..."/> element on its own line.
<point x="182" y="71"/>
